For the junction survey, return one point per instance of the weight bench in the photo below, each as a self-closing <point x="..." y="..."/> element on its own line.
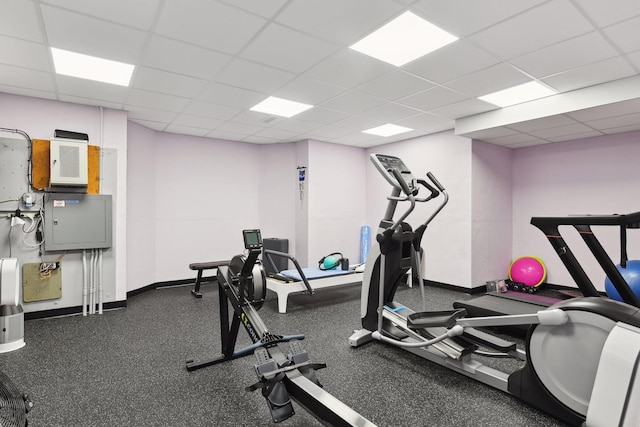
<point x="200" y="267"/>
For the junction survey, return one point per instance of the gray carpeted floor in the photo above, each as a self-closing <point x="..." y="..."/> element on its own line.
<point x="127" y="368"/>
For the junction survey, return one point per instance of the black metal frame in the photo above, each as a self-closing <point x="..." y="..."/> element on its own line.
<point x="550" y="227"/>
<point x="298" y="379"/>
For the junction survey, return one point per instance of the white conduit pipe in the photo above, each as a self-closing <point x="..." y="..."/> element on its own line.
<point x="84" y="282"/>
<point x="92" y="291"/>
<point x="100" y="285"/>
<point x="95" y="281"/>
<point x="90" y="284"/>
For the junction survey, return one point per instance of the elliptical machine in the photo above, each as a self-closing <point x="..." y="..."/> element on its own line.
<point x="282" y="375"/>
<point x="604" y="335"/>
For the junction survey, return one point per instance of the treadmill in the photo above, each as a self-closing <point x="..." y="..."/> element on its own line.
<point x="497" y="303"/>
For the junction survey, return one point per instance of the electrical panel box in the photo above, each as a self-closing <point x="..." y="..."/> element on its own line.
<point x="77" y="221"/>
<point x="69" y="163"/>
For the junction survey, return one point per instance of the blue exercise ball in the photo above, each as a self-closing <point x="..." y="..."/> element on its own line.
<point x="330" y="262"/>
<point x="631" y="275"/>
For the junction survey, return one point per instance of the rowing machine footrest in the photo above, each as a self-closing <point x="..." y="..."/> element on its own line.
<point x="274" y="390"/>
<point x="298" y="356"/>
<point x="430" y="319"/>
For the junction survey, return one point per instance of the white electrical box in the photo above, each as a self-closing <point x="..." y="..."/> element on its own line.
<point x="69" y="163"/>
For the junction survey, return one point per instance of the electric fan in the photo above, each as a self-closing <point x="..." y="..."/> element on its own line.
<point x="13" y="404"/>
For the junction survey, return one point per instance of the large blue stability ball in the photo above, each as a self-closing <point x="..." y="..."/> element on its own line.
<point x="631" y="275"/>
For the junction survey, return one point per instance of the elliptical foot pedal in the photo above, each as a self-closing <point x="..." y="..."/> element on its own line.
<point x="273" y="389"/>
<point x="430" y="319"/>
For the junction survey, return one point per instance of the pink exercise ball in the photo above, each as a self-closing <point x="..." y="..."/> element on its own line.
<point x="529" y="270"/>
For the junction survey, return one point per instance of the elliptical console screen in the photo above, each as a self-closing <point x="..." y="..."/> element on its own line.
<point x="385" y="163"/>
<point x="252" y="239"/>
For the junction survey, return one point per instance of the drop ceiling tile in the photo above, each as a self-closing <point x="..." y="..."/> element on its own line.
<point x="20" y="19"/>
<point x="88" y="101"/>
<point x="265" y="8"/>
<point x="252" y="76"/>
<point x="150" y="124"/>
<point x="516" y="138"/>
<point x="529" y="143"/>
<point x="559" y="131"/>
<point x="353" y="102"/>
<point x="295" y="126"/>
<point x="257" y="118"/>
<point x="287" y="49"/>
<point x="92" y="36"/>
<point x="329" y="132"/>
<point x="144" y="98"/>
<point x="308" y="91"/>
<point x="489" y="80"/>
<point x="534" y="29"/>
<point x="390" y="113"/>
<point x="630" y="128"/>
<point x="615" y="122"/>
<point x="277" y="134"/>
<point x="607" y="111"/>
<point x="605" y="13"/>
<point x="189" y="120"/>
<point x="149" y="114"/>
<point x="360" y="123"/>
<point x="543" y="123"/>
<point x="227" y="136"/>
<point x="430" y="99"/>
<point x="590" y="75"/>
<point x="208" y="24"/>
<point x="166" y="82"/>
<point x="626" y="35"/>
<point x="26" y="92"/>
<point x="26" y="78"/>
<point x="635" y="58"/>
<point x="212" y="111"/>
<point x="231" y="96"/>
<point x="348" y="68"/>
<point x="427" y="121"/>
<point x="23" y="53"/>
<point x="567" y="55"/>
<point x="321" y="116"/>
<point x="256" y="139"/>
<point x="492" y="133"/>
<point x="182" y="58"/>
<point x="239" y="128"/>
<point x="91" y="89"/>
<point x="343" y="22"/>
<point x="450" y="62"/>
<point x="186" y="130"/>
<point x="137" y="13"/>
<point x="571" y="137"/>
<point x="464" y="108"/>
<point x="465" y="17"/>
<point x="395" y="85"/>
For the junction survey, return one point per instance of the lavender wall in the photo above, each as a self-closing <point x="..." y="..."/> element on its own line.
<point x="447" y="242"/>
<point x="336" y="200"/>
<point x="491" y="212"/>
<point x="588" y="176"/>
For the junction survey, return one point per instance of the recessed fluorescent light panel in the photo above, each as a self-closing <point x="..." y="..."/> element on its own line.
<point x="518" y="94"/>
<point x="387" y="130"/>
<point x="404" y="39"/>
<point x="91" y="67"/>
<point x="280" y="107"/>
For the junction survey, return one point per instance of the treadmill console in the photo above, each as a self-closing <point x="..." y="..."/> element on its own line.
<point x="252" y="239"/>
<point x="385" y="164"/>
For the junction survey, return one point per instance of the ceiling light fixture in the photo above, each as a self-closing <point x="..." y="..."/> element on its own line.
<point x="404" y="39"/>
<point x="91" y="67"/>
<point x="280" y="107"/>
<point x="387" y="130"/>
<point x="518" y="94"/>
